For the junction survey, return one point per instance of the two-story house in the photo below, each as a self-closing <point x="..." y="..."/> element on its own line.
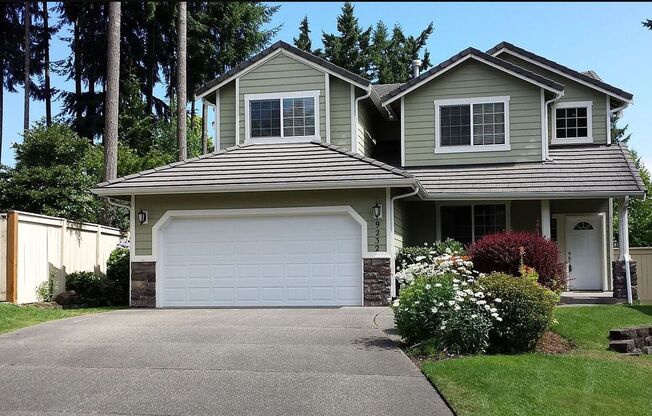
<point x="319" y="177"/>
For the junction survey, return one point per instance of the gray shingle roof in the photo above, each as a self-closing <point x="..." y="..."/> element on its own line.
<point x="479" y="54"/>
<point x="260" y="167"/>
<point x="559" y="67"/>
<point x="580" y="171"/>
<point x="283" y="45"/>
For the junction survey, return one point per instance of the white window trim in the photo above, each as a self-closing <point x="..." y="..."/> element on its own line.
<point x="281" y="96"/>
<point x="471" y="147"/>
<point x="508" y="214"/>
<point x="589" y="122"/>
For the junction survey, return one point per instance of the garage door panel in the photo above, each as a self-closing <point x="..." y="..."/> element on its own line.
<point x="288" y="260"/>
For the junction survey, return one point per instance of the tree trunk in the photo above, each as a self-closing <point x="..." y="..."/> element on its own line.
<point x="48" y="92"/>
<point x="78" y="77"/>
<point x="151" y="68"/>
<point x="2" y="97"/>
<point x="204" y="123"/>
<point x="181" y="81"/>
<point x="27" y="20"/>
<point x="112" y="94"/>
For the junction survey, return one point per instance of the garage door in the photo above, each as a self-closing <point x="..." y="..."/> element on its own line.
<point x="280" y="260"/>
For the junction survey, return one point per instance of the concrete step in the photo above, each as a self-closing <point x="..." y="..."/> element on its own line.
<point x="589" y="298"/>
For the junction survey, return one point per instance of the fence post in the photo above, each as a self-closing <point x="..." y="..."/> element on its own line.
<point x="98" y="240"/>
<point x="12" y="256"/>
<point x="62" y="254"/>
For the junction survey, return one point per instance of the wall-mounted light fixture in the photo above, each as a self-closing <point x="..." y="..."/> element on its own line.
<point x="142" y="217"/>
<point x="378" y="210"/>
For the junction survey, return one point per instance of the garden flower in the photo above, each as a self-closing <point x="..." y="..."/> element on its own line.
<point x="498" y="300"/>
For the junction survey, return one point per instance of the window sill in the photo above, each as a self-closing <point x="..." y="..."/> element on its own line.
<point x="270" y="140"/>
<point x="473" y="149"/>
<point x="575" y="140"/>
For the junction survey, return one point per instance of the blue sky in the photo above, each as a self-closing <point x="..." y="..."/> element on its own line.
<point x="605" y="37"/>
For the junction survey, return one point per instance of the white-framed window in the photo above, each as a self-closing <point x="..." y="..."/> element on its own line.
<point x="467" y="223"/>
<point x="472" y="125"/>
<point x="282" y="117"/>
<point x="572" y="122"/>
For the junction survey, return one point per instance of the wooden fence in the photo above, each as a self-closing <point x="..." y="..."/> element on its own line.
<point x="34" y="247"/>
<point x="643" y="258"/>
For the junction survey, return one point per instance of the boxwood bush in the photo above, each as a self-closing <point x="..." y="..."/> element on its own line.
<point x="526" y="309"/>
<point x="117" y="272"/>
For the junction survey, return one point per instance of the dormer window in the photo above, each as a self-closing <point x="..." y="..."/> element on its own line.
<point x="282" y="117"/>
<point x="572" y="124"/>
<point x="472" y="125"/>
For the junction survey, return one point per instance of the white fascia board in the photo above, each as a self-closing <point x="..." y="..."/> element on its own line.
<point x="527" y="196"/>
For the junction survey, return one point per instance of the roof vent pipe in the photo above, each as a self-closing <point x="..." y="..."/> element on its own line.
<point x="416" y="66"/>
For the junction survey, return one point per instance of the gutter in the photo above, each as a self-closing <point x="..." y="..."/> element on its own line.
<point x="546" y="155"/>
<point x="354" y="128"/>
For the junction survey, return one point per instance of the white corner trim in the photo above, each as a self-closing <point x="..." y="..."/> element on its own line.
<point x="402" y="132"/>
<point x="237" y="111"/>
<point x="314" y="94"/>
<point x="354" y="135"/>
<point x="327" y="103"/>
<point x="544" y="126"/>
<point x="589" y="122"/>
<point x="608" y="107"/>
<point x="471" y="148"/>
<point x="218" y="119"/>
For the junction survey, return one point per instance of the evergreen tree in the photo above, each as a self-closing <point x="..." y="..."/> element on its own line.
<point x="303" y="41"/>
<point x="391" y="58"/>
<point x="647" y="23"/>
<point x="349" y="48"/>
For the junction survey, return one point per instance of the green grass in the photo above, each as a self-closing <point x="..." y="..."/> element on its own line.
<point x="587" y="380"/>
<point x="13" y="317"/>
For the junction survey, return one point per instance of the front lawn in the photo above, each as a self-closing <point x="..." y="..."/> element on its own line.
<point x="587" y="380"/>
<point x="13" y="317"/>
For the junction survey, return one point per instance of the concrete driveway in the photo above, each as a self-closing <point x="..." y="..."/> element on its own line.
<point x="213" y="362"/>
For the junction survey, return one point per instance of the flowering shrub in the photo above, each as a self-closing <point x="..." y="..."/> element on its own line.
<point x="426" y="253"/>
<point x="442" y="301"/>
<point x="507" y="252"/>
<point x="526" y="308"/>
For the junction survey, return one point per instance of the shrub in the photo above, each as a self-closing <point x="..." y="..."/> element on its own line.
<point x="438" y="304"/>
<point x="95" y="289"/>
<point x="426" y="253"/>
<point x="507" y="252"/>
<point x="117" y="271"/>
<point x="526" y="309"/>
<point x="46" y="290"/>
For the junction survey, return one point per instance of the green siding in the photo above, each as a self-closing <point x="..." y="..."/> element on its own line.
<point x="340" y="103"/>
<point x="467" y="80"/>
<point x="361" y="200"/>
<point x="366" y="127"/>
<point x="399" y="224"/>
<point x="283" y="73"/>
<point x="573" y="91"/>
<point x="227" y="112"/>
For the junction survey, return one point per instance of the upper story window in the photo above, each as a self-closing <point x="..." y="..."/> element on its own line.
<point x="279" y="117"/>
<point x="572" y="123"/>
<point x="472" y="125"/>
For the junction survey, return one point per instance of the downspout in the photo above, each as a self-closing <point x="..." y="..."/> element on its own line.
<point x="354" y="132"/>
<point x="391" y="231"/>
<point x="556" y="98"/>
<point x="610" y="113"/>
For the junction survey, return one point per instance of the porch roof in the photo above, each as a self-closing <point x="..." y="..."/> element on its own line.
<point x="577" y="172"/>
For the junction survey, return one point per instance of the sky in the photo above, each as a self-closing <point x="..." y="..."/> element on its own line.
<point x="605" y="37"/>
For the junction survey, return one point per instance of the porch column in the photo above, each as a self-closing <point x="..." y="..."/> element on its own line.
<point x="545" y="218"/>
<point x="623" y="242"/>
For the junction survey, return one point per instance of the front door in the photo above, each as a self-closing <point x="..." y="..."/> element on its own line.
<point x="584" y="246"/>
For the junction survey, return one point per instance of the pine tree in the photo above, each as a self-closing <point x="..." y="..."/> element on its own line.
<point x="349" y="48"/>
<point x="647" y="23"/>
<point x="303" y="41"/>
<point x="11" y="56"/>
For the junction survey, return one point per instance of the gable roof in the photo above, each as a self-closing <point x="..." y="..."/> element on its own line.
<point x="479" y="56"/>
<point x="260" y="167"/>
<point x="571" y="73"/>
<point x="280" y="45"/>
<point x="574" y="172"/>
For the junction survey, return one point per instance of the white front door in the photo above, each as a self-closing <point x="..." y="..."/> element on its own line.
<point x="585" y="251"/>
<point x="275" y="260"/>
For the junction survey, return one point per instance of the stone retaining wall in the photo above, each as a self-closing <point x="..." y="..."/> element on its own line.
<point x="620" y="279"/>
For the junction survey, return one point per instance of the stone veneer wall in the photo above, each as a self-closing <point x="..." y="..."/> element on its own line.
<point x="377" y="282"/>
<point x="143" y="284"/>
<point x="620" y="279"/>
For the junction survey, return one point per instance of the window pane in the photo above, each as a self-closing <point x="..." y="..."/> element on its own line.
<point x="488" y="124"/>
<point x="456" y="223"/>
<point x="265" y="118"/>
<point x="455" y="125"/>
<point x="489" y="219"/>
<point x="298" y="117"/>
<point x="572" y="122"/>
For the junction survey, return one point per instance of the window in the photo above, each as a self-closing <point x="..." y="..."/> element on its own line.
<point x="282" y="116"/>
<point x="467" y="223"/>
<point x="572" y="123"/>
<point x="470" y="125"/>
<point x="583" y="226"/>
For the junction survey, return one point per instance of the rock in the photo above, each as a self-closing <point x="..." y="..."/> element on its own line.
<point x="647" y="350"/>
<point x="65" y="298"/>
<point x="648" y="340"/>
<point x="622" y="345"/>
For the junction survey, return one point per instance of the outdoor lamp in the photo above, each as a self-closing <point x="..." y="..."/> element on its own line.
<point x="378" y="210"/>
<point x="142" y="217"/>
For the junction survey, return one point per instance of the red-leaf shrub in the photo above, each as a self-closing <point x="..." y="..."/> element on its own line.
<point x="502" y="253"/>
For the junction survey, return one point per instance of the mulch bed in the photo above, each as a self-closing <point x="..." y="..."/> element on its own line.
<point x="553" y="343"/>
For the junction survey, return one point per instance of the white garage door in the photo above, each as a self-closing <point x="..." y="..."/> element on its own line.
<point x="280" y="260"/>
